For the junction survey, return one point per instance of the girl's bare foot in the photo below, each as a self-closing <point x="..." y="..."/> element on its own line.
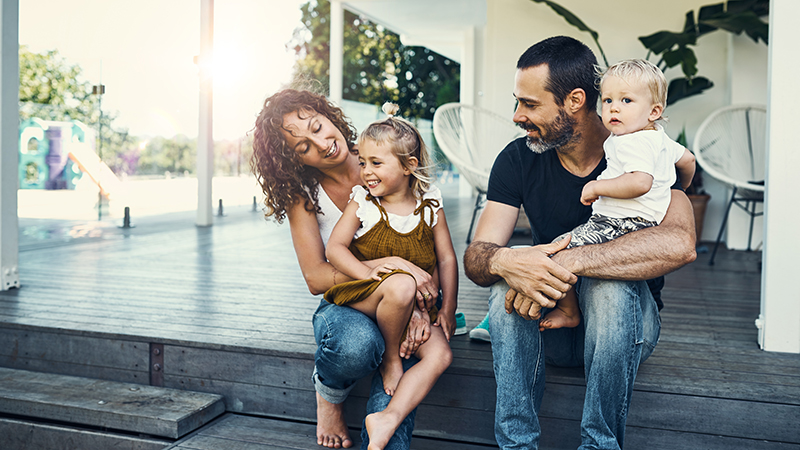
<point x="391" y="373"/>
<point x="380" y="429"/>
<point x="557" y="318"/>
<point x="332" y="430"/>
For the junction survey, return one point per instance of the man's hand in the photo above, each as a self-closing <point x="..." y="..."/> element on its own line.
<point x="419" y="330"/>
<point x="530" y="272"/>
<point x="523" y="305"/>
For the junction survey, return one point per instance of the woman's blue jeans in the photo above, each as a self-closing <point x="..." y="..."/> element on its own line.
<point x="619" y="329"/>
<point x="349" y="347"/>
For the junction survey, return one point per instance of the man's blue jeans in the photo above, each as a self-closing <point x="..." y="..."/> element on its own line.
<point x="619" y="329"/>
<point x="349" y="347"/>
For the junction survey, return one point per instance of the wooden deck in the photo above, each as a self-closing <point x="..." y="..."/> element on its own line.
<point x="230" y="309"/>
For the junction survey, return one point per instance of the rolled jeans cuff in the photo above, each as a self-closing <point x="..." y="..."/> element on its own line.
<point x="331" y="395"/>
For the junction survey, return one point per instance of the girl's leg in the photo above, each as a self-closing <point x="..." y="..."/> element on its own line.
<point x="390" y="306"/>
<point x="435" y="357"/>
<point x="567" y="313"/>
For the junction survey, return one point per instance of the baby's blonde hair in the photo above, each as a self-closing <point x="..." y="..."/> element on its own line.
<point x="405" y="142"/>
<point x="640" y="71"/>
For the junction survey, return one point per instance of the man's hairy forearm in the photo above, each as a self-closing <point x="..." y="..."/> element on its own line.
<point x="478" y="261"/>
<point x="640" y="255"/>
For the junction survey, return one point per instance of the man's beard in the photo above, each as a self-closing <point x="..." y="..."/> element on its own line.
<point x="556" y="134"/>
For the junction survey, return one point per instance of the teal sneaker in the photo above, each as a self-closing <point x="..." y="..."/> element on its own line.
<point x="461" y="324"/>
<point x="481" y="332"/>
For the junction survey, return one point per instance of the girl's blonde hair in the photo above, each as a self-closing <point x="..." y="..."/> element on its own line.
<point x="405" y="142"/>
<point x="641" y="71"/>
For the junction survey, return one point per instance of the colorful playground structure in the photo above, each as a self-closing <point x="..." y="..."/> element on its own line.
<point x="57" y="154"/>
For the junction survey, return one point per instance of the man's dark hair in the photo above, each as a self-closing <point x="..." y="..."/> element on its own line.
<point x="571" y="63"/>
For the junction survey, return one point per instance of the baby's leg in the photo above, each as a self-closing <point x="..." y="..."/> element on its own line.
<point x="567" y="314"/>
<point x="390" y="306"/>
<point x="435" y="357"/>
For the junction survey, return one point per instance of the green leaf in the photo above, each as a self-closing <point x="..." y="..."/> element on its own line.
<point x="681" y="88"/>
<point x="573" y="20"/>
<point x="746" y="21"/>
<point x="683" y="56"/>
<point x="681" y="139"/>
<point x="759" y="7"/>
<point x="662" y="41"/>
<point x="708" y="12"/>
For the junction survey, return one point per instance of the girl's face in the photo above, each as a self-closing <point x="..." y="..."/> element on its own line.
<point x="627" y="107"/>
<point x="381" y="170"/>
<point x="315" y="139"/>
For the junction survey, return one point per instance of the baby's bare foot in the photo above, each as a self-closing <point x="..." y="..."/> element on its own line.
<point x="380" y="430"/>
<point x="332" y="429"/>
<point x="391" y="373"/>
<point x="557" y="318"/>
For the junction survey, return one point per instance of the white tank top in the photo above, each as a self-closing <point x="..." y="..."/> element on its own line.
<point x="329" y="216"/>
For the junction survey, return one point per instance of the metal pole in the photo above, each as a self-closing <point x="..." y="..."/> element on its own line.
<point x="99" y="90"/>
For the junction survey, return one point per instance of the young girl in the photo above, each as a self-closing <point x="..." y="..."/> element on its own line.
<point x="633" y="192"/>
<point x="397" y="213"/>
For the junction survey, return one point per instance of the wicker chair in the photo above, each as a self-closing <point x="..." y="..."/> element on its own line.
<point x="730" y="146"/>
<point x="471" y="138"/>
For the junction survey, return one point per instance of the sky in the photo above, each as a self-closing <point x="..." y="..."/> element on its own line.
<point x="143" y="52"/>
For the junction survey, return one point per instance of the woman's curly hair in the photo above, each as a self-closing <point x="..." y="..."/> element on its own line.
<point x="278" y="170"/>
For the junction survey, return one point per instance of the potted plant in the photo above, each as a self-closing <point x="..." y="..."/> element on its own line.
<point x="697" y="195"/>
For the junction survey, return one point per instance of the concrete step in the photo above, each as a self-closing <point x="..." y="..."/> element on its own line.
<point x="149" y="410"/>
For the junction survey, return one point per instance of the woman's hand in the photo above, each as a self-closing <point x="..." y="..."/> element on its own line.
<point x="446" y="320"/>
<point x="427" y="285"/>
<point x="419" y="330"/>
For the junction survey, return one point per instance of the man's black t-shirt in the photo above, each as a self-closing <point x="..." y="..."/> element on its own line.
<point x="550" y="194"/>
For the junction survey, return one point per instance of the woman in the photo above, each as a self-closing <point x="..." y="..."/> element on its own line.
<point x="305" y="160"/>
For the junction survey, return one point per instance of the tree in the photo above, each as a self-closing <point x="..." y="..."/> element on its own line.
<point x="377" y="66"/>
<point x="52" y="89"/>
<point x="176" y="155"/>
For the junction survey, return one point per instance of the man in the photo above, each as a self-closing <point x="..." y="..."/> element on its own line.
<point x="545" y="171"/>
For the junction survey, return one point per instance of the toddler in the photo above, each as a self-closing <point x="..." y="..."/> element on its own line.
<point x="633" y="192"/>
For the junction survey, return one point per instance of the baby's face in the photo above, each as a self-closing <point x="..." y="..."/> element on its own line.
<point x="627" y="108"/>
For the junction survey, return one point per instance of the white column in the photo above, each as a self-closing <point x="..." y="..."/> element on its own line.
<point x="466" y="93"/>
<point x="337" y="52"/>
<point x="9" y="144"/>
<point x="780" y="300"/>
<point x="205" y="136"/>
<point x="468" y="57"/>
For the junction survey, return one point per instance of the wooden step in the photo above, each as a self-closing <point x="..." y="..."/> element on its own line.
<point x="238" y="432"/>
<point x="149" y="410"/>
<point x="22" y="434"/>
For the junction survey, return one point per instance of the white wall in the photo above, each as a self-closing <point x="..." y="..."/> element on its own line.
<point x="514" y="25"/>
<point x="780" y="301"/>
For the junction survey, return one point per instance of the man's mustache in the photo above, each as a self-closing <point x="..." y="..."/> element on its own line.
<point x="527" y="126"/>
